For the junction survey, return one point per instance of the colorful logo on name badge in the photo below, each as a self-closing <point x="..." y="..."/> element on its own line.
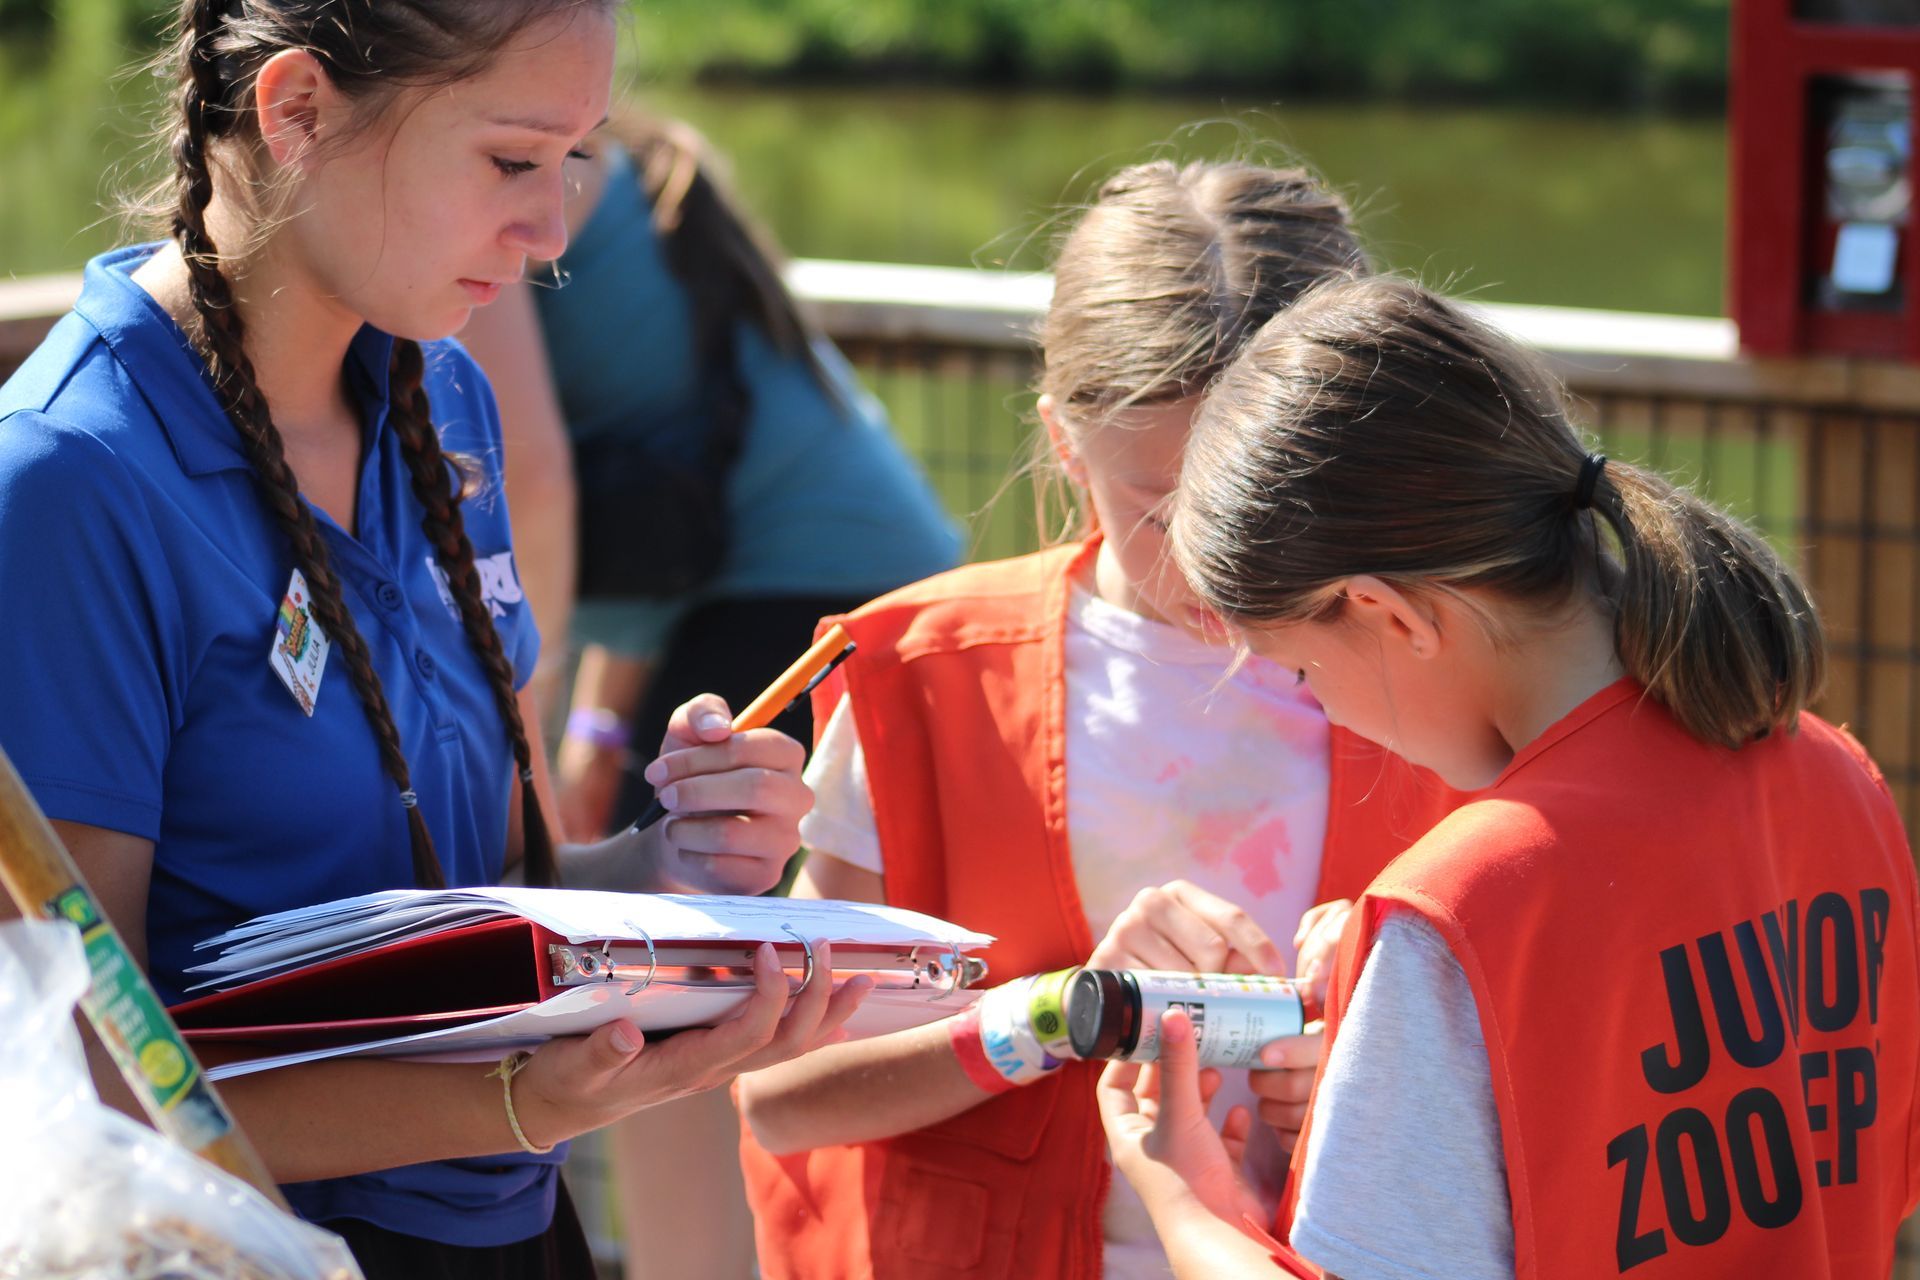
<point x="299" y="654"/>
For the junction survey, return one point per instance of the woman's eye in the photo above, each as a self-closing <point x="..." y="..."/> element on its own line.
<point x="513" y="168"/>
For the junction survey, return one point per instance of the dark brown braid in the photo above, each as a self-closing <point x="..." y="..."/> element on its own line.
<point x="446" y="529"/>
<point x="370" y="50"/>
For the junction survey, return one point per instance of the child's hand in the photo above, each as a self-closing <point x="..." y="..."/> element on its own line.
<point x="1159" y="1135"/>
<point x="1284" y="1082"/>
<point x="1182" y="927"/>
<point x="1317" y="942"/>
<point x="734" y="802"/>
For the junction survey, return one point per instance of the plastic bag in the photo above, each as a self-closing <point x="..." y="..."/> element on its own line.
<point x="89" y="1194"/>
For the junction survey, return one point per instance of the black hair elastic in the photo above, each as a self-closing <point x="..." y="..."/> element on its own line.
<point x="1589" y="477"/>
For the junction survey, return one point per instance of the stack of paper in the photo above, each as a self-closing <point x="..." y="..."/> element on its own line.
<point x="471" y="973"/>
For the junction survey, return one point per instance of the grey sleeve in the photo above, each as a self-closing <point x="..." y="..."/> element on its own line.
<point x="1405" y="1178"/>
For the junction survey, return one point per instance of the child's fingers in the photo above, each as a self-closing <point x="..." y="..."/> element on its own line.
<point x="1294" y="1084"/>
<point x="1232" y="925"/>
<point x="1209" y="1086"/>
<point x="1179" y="1072"/>
<point x="1116" y="1092"/>
<point x="1294" y="1053"/>
<point x="1234" y="1132"/>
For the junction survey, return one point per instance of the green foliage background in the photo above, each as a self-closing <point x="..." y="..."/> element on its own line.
<point x="1615" y="52"/>
<point x="1631" y="53"/>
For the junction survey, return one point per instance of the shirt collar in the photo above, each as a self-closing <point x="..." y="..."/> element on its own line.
<point x="158" y="357"/>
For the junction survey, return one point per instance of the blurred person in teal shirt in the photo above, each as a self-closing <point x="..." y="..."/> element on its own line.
<point x="704" y="465"/>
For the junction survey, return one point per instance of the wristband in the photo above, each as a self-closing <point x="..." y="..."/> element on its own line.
<point x="1008" y="1020"/>
<point x="598" y="727"/>
<point x="963" y="1033"/>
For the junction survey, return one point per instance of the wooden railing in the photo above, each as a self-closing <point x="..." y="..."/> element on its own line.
<point x="1823" y="454"/>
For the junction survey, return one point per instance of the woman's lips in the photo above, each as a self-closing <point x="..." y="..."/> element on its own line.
<point x="481" y="291"/>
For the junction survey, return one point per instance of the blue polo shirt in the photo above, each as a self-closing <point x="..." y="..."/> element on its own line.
<point x="140" y="577"/>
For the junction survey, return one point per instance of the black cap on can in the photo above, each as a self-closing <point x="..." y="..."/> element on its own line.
<point x="1103" y="1015"/>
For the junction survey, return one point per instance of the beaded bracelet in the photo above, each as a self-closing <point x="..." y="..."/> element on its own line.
<point x="510" y="1066"/>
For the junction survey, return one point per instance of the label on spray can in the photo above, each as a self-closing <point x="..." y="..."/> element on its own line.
<point x="1115" y="1013"/>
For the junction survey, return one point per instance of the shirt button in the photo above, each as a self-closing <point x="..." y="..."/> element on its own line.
<point x="423" y="663"/>
<point x="387" y="596"/>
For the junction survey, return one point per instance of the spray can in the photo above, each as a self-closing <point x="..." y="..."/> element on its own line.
<point x="1115" y="1013"/>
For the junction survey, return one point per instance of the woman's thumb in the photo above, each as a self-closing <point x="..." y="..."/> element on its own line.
<point x="613" y="1046"/>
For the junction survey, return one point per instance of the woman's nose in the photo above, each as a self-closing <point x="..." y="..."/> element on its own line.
<point x="542" y="233"/>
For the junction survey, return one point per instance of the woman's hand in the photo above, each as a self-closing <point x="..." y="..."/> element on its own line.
<point x="1182" y="927"/>
<point x="734" y="802"/>
<point x="579" y="1083"/>
<point x="1159" y="1134"/>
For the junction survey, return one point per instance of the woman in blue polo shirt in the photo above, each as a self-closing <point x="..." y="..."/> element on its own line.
<point x="263" y="622"/>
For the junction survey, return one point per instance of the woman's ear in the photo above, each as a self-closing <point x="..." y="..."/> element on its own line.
<point x="1062" y="446"/>
<point x="1394" y="616"/>
<point x="293" y="97"/>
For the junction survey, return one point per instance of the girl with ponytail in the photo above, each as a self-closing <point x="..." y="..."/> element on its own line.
<point x="1387" y="496"/>
<point x="266" y="642"/>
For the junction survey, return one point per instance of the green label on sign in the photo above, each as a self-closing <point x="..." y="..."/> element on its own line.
<point x="137" y="1031"/>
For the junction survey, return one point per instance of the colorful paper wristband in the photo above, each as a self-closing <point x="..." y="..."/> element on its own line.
<point x="963" y="1032"/>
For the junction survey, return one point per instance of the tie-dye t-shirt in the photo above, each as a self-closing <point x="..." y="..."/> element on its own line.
<point x="1175" y="770"/>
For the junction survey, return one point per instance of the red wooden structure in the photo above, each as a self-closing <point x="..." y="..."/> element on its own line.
<point x="1822" y="124"/>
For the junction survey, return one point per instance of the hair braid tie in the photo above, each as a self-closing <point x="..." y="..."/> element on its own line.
<point x="1589" y="477"/>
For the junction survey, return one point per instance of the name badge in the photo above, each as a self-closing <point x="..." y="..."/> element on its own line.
<point x="300" y="647"/>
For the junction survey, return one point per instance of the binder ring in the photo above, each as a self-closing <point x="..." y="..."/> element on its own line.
<point x="954" y="967"/>
<point x="653" y="959"/>
<point x="806" y="979"/>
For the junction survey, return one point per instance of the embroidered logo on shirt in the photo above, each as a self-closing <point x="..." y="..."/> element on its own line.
<point x="499" y="584"/>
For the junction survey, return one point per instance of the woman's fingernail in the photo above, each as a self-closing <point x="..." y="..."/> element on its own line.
<point x="709" y="721"/>
<point x="656" y="773"/>
<point x="670" y="796"/>
<point x="622" y="1042"/>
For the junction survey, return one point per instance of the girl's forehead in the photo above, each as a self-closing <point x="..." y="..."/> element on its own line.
<point x="1141" y="445"/>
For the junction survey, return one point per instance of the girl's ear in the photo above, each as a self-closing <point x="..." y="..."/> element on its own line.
<point x="1062" y="446"/>
<point x="1393" y="616"/>
<point x="292" y="97"/>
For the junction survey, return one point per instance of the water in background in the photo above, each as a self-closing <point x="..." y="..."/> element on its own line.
<point x="1511" y="204"/>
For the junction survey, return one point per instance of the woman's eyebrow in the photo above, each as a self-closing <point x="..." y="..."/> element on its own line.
<point x="537" y="124"/>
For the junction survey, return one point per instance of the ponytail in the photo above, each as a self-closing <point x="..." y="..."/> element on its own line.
<point x="1709" y="619"/>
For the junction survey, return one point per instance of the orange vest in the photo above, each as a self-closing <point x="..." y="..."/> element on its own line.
<point x="959" y="698"/>
<point x="1698" y="979"/>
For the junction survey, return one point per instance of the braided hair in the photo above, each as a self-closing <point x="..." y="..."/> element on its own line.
<point x="220" y="45"/>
